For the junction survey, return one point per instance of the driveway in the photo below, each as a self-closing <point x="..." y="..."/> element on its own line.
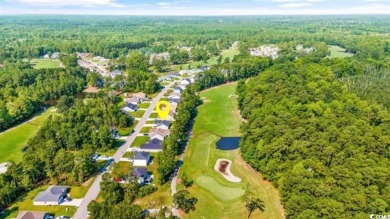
<point x="74" y="202"/>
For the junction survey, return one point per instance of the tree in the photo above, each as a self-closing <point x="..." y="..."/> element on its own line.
<point x="251" y="201"/>
<point x="182" y="200"/>
<point x="64" y="103"/>
<point x="184" y="179"/>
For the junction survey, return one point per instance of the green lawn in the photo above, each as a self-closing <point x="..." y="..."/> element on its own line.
<point x="13" y="141"/>
<point x="219" y="198"/>
<point x="153" y="116"/>
<point x="138" y="141"/>
<point x="338" y="52"/>
<point x="145" y="129"/>
<point x="138" y="113"/>
<point x="127" y="131"/>
<point x="26" y="204"/>
<point x="144" y="105"/>
<point x="150" y="122"/>
<point x="45" y="63"/>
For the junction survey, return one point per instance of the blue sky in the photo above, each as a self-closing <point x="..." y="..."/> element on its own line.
<point x="194" y="7"/>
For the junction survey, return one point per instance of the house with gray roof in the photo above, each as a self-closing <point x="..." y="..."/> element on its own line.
<point x="115" y="73"/>
<point x="53" y="195"/>
<point x="141" y="173"/>
<point x="128" y="108"/>
<point x="55" y="55"/>
<point x="162" y="124"/>
<point x="141" y="158"/>
<point x="32" y="215"/>
<point x="152" y="146"/>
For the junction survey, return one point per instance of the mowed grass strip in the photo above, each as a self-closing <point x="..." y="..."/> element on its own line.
<point x="45" y="63"/>
<point x="139" y="140"/>
<point x="219" y="198"/>
<point x="12" y="141"/>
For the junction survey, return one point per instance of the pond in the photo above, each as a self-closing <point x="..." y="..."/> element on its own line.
<point x="228" y="143"/>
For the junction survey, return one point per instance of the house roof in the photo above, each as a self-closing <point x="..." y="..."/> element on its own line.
<point x="52" y="193"/>
<point x="140" y="171"/>
<point x="31" y="215"/>
<point x="140" y="95"/>
<point x="131" y="106"/>
<point x="162" y="122"/>
<point x="153" y="144"/>
<point x="156" y="131"/>
<point x="141" y="155"/>
<point x="178" y="88"/>
<point x="132" y="99"/>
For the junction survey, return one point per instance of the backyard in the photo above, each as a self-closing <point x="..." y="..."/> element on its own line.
<point x="219" y="198"/>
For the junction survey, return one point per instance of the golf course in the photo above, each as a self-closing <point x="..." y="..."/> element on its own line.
<point x="218" y="117"/>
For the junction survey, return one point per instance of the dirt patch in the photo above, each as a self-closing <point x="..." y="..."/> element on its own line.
<point x="222" y="166"/>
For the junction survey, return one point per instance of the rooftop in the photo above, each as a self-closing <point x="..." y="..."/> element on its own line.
<point x="51" y="194"/>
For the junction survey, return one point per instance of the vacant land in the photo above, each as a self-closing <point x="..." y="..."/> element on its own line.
<point x="45" y="63"/>
<point x="338" y="52"/>
<point x="12" y="141"/>
<point x="219" y="198"/>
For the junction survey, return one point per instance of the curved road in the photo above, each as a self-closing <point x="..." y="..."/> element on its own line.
<point x="82" y="212"/>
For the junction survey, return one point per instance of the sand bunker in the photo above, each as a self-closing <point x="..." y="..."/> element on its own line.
<point x="222" y="166"/>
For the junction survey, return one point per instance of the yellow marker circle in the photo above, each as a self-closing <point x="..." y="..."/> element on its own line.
<point x="163" y="108"/>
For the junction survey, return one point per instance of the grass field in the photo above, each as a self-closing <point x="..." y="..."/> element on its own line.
<point x="139" y="140"/>
<point x="144" y="105"/>
<point x="26" y="204"/>
<point x="138" y="113"/>
<point x="153" y="116"/>
<point x="338" y="52"/>
<point x="13" y="141"/>
<point x="45" y="63"/>
<point x="219" y="198"/>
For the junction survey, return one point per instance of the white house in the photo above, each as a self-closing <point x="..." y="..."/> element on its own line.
<point x="115" y="73"/>
<point x="162" y="124"/>
<point x="55" y="55"/>
<point x="141" y="159"/>
<point x="160" y="134"/>
<point x="177" y="90"/>
<point x="53" y="195"/>
<point x="185" y="82"/>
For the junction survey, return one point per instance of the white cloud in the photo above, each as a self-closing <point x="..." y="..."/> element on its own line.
<point x="295" y="5"/>
<point x="85" y="3"/>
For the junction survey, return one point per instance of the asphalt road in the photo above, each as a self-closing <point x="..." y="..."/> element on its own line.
<point x="82" y="211"/>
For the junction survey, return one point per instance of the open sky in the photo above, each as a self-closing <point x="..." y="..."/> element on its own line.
<point x="194" y="7"/>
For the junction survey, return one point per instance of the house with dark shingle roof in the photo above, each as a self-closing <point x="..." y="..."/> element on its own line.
<point x="53" y="195"/>
<point x="141" y="173"/>
<point x="32" y="215"/>
<point x="160" y="134"/>
<point x="153" y="145"/>
<point x="128" y="108"/>
<point x="162" y="124"/>
<point x="141" y="158"/>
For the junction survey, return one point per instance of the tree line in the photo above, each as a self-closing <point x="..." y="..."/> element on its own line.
<point x="323" y="147"/>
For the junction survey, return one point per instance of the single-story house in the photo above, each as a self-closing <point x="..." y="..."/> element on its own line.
<point x="141" y="173"/>
<point x="55" y="55"/>
<point x="192" y="79"/>
<point x="162" y="124"/>
<point x="140" y="95"/>
<point x="177" y="90"/>
<point x="185" y="82"/>
<point x="170" y="116"/>
<point x="171" y="100"/>
<point x="46" y="56"/>
<point x="4" y="167"/>
<point x="173" y="106"/>
<point x="129" y="108"/>
<point x="53" y="195"/>
<point x="153" y="145"/>
<point x="133" y="100"/>
<point x="175" y="96"/>
<point x="32" y="215"/>
<point x="160" y="134"/>
<point x="115" y="73"/>
<point x="141" y="159"/>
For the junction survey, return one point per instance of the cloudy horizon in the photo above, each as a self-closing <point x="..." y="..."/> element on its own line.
<point x="192" y="7"/>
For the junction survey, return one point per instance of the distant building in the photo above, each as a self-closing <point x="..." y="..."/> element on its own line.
<point x="53" y="195"/>
<point x="301" y="49"/>
<point x="33" y="215"/>
<point x="265" y="51"/>
<point x="177" y="90"/>
<point x="55" y="55"/>
<point x="165" y="56"/>
<point x="115" y="73"/>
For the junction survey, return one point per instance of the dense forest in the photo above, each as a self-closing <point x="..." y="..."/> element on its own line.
<point x="22" y="91"/>
<point x="324" y="148"/>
